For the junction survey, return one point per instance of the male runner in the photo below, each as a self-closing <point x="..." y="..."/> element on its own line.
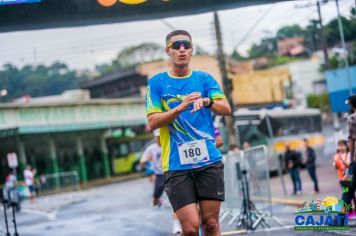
<point x="180" y="103"/>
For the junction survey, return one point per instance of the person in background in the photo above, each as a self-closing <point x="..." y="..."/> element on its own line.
<point x="292" y="159"/>
<point x="153" y="154"/>
<point x="310" y="164"/>
<point x="10" y="180"/>
<point x="233" y="148"/>
<point x="348" y="195"/>
<point x="245" y="145"/>
<point x="341" y="159"/>
<point x="29" y="176"/>
<point x="218" y="138"/>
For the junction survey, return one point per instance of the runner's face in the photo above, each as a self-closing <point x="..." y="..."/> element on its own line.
<point x="179" y="57"/>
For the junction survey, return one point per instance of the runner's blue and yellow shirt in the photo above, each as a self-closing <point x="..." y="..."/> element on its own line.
<point x="165" y="92"/>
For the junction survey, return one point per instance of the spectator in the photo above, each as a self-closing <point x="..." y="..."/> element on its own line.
<point x="29" y="176"/>
<point x="310" y="164"/>
<point x="292" y="159"/>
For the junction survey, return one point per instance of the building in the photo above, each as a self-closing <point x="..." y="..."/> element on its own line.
<point x="291" y="46"/>
<point x="260" y="88"/>
<point x="118" y="84"/>
<point x="70" y="135"/>
<point x="306" y="79"/>
<point x="339" y="87"/>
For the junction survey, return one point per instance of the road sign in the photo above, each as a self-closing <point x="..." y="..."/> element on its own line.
<point x="12" y="160"/>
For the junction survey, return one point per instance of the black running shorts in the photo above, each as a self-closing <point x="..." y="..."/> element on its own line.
<point x="190" y="186"/>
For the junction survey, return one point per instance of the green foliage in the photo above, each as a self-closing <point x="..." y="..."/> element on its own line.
<point x="38" y="80"/>
<point x="280" y="60"/>
<point x="291" y="31"/>
<point x="319" y="101"/>
<point x="338" y="61"/>
<point x="131" y="56"/>
<point x="237" y="56"/>
<point x="333" y="34"/>
<point x="267" y="47"/>
<point x="144" y="52"/>
<point x="311" y="33"/>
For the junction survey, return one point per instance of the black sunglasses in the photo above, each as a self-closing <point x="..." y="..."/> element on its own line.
<point x="177" y="44"/>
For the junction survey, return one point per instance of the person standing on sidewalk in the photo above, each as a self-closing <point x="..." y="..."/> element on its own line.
<point x="293" y="161"/>
<point x="342" y="159"/>
<point x="310" y="164"/>
<point x="349" y="190"/>
<point x="180" y="103"/>
<point x="29" y="176"/>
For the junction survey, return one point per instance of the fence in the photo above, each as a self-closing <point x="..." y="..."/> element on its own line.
<point x="64" y="181"/>
<point x="255" y="162"/>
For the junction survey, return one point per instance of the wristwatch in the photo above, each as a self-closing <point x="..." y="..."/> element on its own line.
<point x="210" y="103"/>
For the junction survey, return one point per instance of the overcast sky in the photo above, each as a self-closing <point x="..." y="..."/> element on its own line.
<point x="85" y="47"/>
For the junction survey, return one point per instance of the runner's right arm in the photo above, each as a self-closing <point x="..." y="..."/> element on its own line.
<point x="160" y="119"/>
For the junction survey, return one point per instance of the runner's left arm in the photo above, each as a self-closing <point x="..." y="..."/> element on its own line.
<point x="221" y="107"/>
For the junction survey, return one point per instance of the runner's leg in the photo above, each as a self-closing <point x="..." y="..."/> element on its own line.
<point x="189" y="219"/>
<point x="209" y="212"/>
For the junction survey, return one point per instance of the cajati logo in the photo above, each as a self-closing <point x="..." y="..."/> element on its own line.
<point x="110" y="3"/>
<point x="329" y="214"/>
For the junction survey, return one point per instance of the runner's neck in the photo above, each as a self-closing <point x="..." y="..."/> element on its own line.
<point x="180" y="71"/>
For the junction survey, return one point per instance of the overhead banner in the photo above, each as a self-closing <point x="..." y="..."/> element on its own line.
<point x="10" y="2"/>
<point x="70" y="13"/>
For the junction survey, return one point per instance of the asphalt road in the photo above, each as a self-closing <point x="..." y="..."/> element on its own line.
<point x="125" y="209"/>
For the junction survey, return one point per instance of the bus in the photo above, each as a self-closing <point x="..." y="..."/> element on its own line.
<point x="125" y="152"/>
<point x="275" y="128"/>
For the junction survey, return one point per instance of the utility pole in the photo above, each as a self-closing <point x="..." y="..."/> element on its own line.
<point x="227" y="84"/>
<point x="324" y="44"/>
<point x="345" y="56"/>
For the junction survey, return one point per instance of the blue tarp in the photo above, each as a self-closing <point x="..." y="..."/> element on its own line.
<point x="338" y="88"/>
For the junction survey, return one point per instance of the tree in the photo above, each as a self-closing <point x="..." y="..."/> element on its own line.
<point x="321" y="102"/>
<point x="333" y="33"/>
<point x="38" y="80"/>
<point x="237" y="56"/>
<point x="291" y="31"/>
<point x="267" y="47"/>
<point x="145" y="52"/>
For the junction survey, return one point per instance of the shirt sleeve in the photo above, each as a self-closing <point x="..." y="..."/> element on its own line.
<point x="214" y="90"/>
<point x="216" y="132"/>
<point x="146" y="155"/>
<point x="351" y="127"/>
<point x="153" y="98"/>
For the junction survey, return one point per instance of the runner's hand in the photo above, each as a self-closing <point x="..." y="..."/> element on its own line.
<point x="200" y="103"/>
<point x="190" y="99"/>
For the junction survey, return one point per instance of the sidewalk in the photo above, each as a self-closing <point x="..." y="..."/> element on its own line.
<point x="328" y="185"/>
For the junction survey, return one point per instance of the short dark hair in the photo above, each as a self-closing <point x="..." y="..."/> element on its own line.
<point x="177" y="32"/>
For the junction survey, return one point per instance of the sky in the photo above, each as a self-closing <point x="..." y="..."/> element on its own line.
<point x="84" y="47"/>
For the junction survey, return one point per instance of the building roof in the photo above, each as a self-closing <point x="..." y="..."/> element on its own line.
<point x="117" y="75"/>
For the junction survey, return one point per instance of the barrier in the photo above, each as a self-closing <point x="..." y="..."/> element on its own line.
<point x="253" y="168"/>
<point x="64" y="181"/>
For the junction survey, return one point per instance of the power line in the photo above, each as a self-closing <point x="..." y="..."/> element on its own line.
<point x="254" y="26"/>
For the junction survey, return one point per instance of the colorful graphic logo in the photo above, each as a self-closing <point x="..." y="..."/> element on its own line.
<point x="110" y="3"/>
<point x="329" y="214"/>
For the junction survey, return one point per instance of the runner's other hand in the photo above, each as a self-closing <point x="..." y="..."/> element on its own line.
<point x="190" y="99"/>
<point x="200" y="103"/>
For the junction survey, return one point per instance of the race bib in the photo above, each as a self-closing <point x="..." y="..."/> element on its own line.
<point x="193" y="152"/>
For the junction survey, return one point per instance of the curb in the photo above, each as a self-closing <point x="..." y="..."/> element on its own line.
<point x="291" y="202"/>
